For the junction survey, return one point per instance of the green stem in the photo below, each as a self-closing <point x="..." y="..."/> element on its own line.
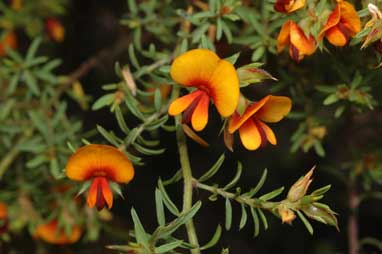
<point x="253" y="202"/>
<point x="188" y="180"/>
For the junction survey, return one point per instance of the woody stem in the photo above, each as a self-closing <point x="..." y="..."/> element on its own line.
<point x="187" y="178"/>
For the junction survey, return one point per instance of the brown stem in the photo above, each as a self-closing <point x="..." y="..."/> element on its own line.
<point x="353" y="221"/>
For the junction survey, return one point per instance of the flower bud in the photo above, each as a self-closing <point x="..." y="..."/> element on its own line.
<point x="249" y="74"/>
<point x="298" y="190"/>
<point x="321" y="213"/>
<point x="286" y="214"/>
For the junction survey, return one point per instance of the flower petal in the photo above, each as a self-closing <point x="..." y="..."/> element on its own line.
<point x="236" y="120"/>
<point x="199" y="117"/>
<point x="333" y="20"/>
<point x="250" y="135"/>
<point x="350" y="18"/>
<point x="51" y="233"/>
<point x="336" y="36"/>
<point x="99" y="160"/>
<point x="274" y="109"/>
<point x="270" y="135"/>
<point x="92" y="193"/>
<point x="295" y="5"/>
<point x="194" y="66"/>
<point x="224" y="88"/>
<point x="284" y="35"/>
<point x="106" y="192"/>
<point x="182" y="103"/>
<point x="305" y="46"/>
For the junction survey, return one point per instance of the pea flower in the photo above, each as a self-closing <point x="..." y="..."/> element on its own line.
<point x="287" y="215"/>
<point x="9" y="40"/>
<point x="252" y="129"/>
<point x="3" y="217"/>
<point x="287" y="6"/>
<point x="55" y="29"/>
<point x="299" y="44"/>
<point x="213" y="78"/>
<point x="99" y="164"/>
<point x="373" y="26"/>
<point x="343" y="23"/>
<point x="51" y="233"/>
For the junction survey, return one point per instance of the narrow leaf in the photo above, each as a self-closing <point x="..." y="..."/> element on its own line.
<point x="244" y="217"/>
<point x="215" y="238"/>
<point x="213" y="170"/>
<point x="306" y="222"/>
<point x="228" y="214"/>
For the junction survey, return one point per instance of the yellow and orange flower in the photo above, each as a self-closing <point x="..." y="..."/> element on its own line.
<point x="99" y="164"/>
<point x="55" y="29"/>
<point x="287" y="6"/>
<point x="251" y="125"/>
<point x="3" y="217"/>
<point x="214" y="79"/>
<point x="299" y="44"/>
<point x="51" y="233"/>
<point x="342" y="24"/>
<point x="8" y="41"/>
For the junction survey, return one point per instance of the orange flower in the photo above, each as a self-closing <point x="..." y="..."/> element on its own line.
<point x="55" y="29"/>
<point x="252" y="129"/>
<point x="342" y="24"/>
<point x="287" y="6"/>
<point x="299" y="44"/>
<point x="99" y="164"/>
<point x="213" y="78"/>
<point x="3" y="217"/>
<point x="16" y="4"/>
<point x="9" y="40"/>
<point x="51" y="233"/>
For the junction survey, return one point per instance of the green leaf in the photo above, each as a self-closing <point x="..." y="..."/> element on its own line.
<point x="213" y="170"/>
<point x="215" y="238"/>
<point x="244" y="217"/>
<point x="260" y="184"/>
<point x="121" y="120"/>
<point x="159" y="207"/>
<point x="168" y="247"/>
<point x="175" y="178"/>
<point x="166" y="199"/>
<point x="103" y="101"/>
<point x="263" y="218"/>
<point x="256" y="222"/>
<point x="32" y="49"/>
<point x="272" y="194"/>
<point x="31" y="82"/>
<point x="321" y="190"/>
<point x="306" y="222"/>
<point x="157" y="99"/>
<point x="84" y="187"/>
<point x="258" y="54"/>
<point x="228" y="214"/>
<point x="233" y="182"/>
<point x="132" y="7"/>
<point x="232" y="59"/>
<point x="107" y="135"/>
<point x="148" y="151"/>
<point x="140" y="233"/>
<point x="330" y="99"/>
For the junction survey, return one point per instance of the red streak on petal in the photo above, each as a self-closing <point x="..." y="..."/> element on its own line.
<point x="344" y="31"/>
<point x="187" y="114"/>
<point x="294" y="53"/>
<point x="263" y="136"/>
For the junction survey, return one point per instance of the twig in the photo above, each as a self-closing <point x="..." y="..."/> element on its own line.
<point x="353" y="221"/>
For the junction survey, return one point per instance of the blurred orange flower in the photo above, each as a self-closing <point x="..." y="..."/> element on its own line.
<point x="252" y="129"/>
<point x="16" y="4"/>
<point x="213" y="78"/>
<point x="99" y="164"/>
<point x="299" y="44"/>
<point x="3" y="217"/>
<point x="55" y="29"/>
<point x="342" y="24"/>
<point x="9" y="40"/>
<point x="287" y="6"/>
<point x="51" y="233"/>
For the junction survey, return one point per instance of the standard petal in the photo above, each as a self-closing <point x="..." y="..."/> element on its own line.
<point x="194" y="68"/>
<point x="274" y="109"/>
<point x="305" y="45"/>
<point x="250" y="135"/>
<point x="336" y="36"/>
<point x="297" y="4"/>
<point x="92" y="193"/>
<point x="236" y="121"/>
<point x="99" y="160"/>
<point x="284" y="35"/>
<point x="350" y="18"/>
<point x="224" y="88"/>
<point x="182" y="103"/>
<point x="333" y="20"/>
<point x="270" y="135"/>
<point x="199" y="117"/>
<point x="106" y="192"/>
